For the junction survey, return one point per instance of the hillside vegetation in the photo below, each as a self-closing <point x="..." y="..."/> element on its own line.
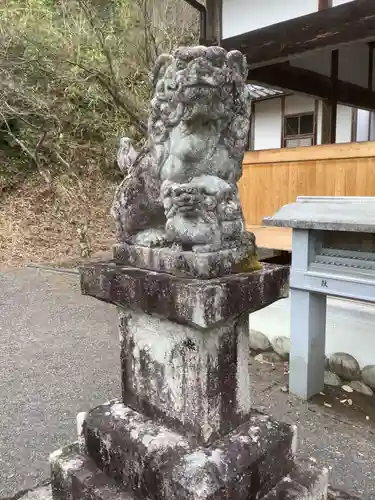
<point x="74" y="78"/>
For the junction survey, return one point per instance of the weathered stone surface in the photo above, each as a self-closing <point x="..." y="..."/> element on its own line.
<point x="131" y="448"/>
<point x="75" y="476"/>
<point x="182" y="187"/>
<point x="281" y="345"/>
<point x="45" y="493"/>
<point x="201" y="303"/>
<point x="259" y="342"/>
<point x="361" y="387"/>
<point x="313" y="477"/>
<point x="156" y="463"/>
<point x="332" y="379"/>
<point x="368" y="375"/>
<point x="268" y="357"/>
<point x="195" y="380"/>
<point x="305" y="482"/>
<point x="288" y="489"/>
<point x="188" y="264"/>
<point x="335" y="494"/>
<point x="345" y="366"/>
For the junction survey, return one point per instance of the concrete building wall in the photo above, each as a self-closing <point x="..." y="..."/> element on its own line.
<point x="240" y="16"/>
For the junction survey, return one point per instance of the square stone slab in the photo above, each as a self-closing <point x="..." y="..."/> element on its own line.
<point x="189" y="264"/>
<point x="148" y="460"/>
<point x="200" y="303"/>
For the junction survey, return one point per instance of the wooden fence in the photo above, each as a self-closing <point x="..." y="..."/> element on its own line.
<point x="273" y="178"/>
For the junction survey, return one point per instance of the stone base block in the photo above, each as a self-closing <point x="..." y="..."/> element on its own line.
<point x="202" y="265"/>
<point x="75" y="476"/>
<point x="153" y="462"/>
<point x="45" y="492"/>
<point x="127" y="456"/>
<point x="304" y="482"/>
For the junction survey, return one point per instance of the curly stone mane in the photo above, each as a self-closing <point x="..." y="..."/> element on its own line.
<point x="174" y="80"/>
<point x="197" y="131"/>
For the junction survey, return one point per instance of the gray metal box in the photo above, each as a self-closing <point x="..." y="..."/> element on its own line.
<point x="333" y="253"/>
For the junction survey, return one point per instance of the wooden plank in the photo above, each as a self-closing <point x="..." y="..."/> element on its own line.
<point x="303" y="80"/>
<point x="307" y="154"/>
<point x="351" y="22"/>
<point x="273" y="238"/>
<point x="268" y="185"/>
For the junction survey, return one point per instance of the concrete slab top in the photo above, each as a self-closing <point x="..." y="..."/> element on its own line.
<point x="330" y="213"/>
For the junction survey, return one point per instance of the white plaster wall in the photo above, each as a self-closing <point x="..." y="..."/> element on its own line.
<point x="353" y="64"/>
<point x="335" y="3"/>
<point x="372" y="127"/>
<point x="363" y="119"/>
<point x="344" y="124"/>
<point x="295" y="104"/>
<point x="319" y="123"/>
<point x="350" y="327"/>
<point x="267" y="124"/>
<point x="240" y="16"/>
<point x="319" y="62"/>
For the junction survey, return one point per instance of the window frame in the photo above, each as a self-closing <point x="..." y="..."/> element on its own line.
<point x="310" y="135"/>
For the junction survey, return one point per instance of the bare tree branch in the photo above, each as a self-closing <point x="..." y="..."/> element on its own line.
<point x="122" y="101"/>
<point x="34" y="156"/>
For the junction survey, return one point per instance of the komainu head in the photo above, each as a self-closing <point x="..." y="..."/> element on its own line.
<point x="198" y="83"/>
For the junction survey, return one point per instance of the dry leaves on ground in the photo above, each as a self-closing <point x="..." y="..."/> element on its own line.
<point x="41" y="223"/>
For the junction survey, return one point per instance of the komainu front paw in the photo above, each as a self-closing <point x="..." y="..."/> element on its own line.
<point x="150" y="238"/>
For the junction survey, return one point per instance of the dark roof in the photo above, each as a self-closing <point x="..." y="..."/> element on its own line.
<point x="257" y="92"/>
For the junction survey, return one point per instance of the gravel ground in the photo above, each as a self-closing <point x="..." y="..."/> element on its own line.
<point x="60" y="356"/>
<point x="344" y="444"/>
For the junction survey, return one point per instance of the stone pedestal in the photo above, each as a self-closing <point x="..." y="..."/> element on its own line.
<point x="193" y="379"/>
<point x="184" y="428"/>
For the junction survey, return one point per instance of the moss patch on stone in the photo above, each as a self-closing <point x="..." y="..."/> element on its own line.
<point x="249" y="264"/>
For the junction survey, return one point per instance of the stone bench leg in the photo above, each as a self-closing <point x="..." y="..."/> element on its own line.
<point x="307" y="353"/>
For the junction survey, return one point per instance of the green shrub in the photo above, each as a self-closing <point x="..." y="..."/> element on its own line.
<point x="74" y="78"/>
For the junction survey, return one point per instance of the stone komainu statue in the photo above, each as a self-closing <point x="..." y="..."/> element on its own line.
<point x="181" y="189"/>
